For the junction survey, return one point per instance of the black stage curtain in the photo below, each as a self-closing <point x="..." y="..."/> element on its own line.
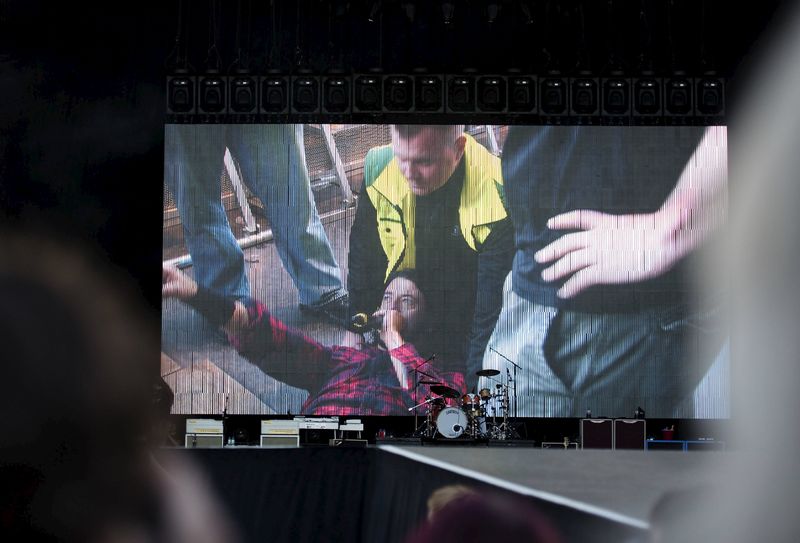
<point x="332" y="494"/>
<point x="293" y="495"/>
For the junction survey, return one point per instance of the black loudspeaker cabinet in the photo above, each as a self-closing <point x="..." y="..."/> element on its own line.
<point x="629" y="433"/>
<point x="597" y="434"/>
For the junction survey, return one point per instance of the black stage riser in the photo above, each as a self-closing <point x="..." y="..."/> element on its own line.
<point x="354" y="495"/>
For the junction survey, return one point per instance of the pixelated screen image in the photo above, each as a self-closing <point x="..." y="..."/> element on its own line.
<point x="522" y="271"/>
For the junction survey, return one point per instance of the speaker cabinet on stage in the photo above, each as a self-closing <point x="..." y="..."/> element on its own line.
<point x="204" y="433"/>
<point x="597" y="434"/>
<point x="273" y="441"/>
<point x="203" y="441"/>
<point x="629" y="433"/>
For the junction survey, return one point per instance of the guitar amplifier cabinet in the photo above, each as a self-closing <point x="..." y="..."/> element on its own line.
<point x="280" y="440"/>
<point x="597" y="434"/>
<point x="203" y="441"/>
<point x="629" y="433"/>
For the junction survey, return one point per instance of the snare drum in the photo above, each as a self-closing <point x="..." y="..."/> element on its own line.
<point x="451" y="422"/>
<point x="485" y="394"/>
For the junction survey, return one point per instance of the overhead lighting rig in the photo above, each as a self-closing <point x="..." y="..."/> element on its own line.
<point x="515" y="97"/>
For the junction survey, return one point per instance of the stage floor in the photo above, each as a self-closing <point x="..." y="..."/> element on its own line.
<point x="622" y="486"/>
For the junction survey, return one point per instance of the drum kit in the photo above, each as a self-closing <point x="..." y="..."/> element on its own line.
<point x="480" y="416"/>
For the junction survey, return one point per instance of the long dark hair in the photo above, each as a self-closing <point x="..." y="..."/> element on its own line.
<point x="430" y="337"/>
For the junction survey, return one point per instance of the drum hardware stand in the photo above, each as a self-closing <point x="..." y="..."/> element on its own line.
<point x="417" y="371"/>
<point x="492" y="429"/>
<point x="426" y="427"/>
<point x="501" y="432"/>
<point x="226" y="438"/>
<point x="508" y="428"/>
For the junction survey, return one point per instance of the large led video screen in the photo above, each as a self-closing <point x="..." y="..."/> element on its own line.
<point x="527" y="271"/>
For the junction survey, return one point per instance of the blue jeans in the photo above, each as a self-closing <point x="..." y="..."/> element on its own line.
<point x="273" y="166"/>
<point x="610" y="363"/>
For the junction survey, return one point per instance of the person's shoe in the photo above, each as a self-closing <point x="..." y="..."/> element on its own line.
<point x="335" y="310"/>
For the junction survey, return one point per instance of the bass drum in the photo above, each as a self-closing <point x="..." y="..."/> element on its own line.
<point x="451" y="422"/>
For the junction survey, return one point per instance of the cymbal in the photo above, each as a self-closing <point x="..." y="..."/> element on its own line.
<point x="446" y="391"/>
<point x="487" y="373"/>
<point x="429" y="383"/>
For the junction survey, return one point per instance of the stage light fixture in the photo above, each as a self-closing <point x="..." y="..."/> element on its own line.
<point x="428" y="93"/>
<point x="491" y="94"/>
<point x="212" y="89"/>
<point x="242" y="94"/>
<point x="336" y="94"/>
<point x="274" y="94"/>
<point x="527" y="12"/>
<point x="678" y="92"/>
<point x="553" y="93"/>
<point x="368" y="93"/>
<point x="492" y="10"/>
<point x="584" y="98"/>
<point x="448" y="10"/>
<point x="522" y="94"/>
<point x="410" y="10"/>
<point x="460" y="93"/>
<point x="398" y="93"/>
<point x="373" y="11"/>
<point x="710" y="97"/>
<point x="647" y="97"/>
<point x="180" y="94"/>
<point x="305" y="94"/>
<point x="616" y="96"/>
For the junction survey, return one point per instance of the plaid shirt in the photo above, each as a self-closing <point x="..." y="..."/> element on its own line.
<point x="340" y="380"/>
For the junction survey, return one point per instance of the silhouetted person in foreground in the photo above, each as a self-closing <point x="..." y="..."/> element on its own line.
<point x="77" y="411"/>
<point x="486" y="517"/>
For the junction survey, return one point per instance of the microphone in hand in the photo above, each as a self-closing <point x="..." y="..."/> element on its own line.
<point x="361" y="322"/>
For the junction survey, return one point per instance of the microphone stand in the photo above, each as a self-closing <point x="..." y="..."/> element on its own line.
<point x="516" y="366"/>
<point x="225" y="421"/>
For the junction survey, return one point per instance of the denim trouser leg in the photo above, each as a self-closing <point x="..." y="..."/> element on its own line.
<point x="519" y="335"/>
<point x="614" y="362"/>
<point x="194" y="161"/>
<point x="610" y="363"/>
<point x="273" y="163"/>
<point x="653" y="358"/>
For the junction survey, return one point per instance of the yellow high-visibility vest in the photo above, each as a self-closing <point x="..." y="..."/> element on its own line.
<point x="481" y="204"/>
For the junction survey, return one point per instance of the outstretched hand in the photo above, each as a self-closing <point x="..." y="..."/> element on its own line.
<point x="176" y="284"/>
<point x="609" y="249"/>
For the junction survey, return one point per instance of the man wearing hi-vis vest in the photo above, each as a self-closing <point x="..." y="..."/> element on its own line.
<point x="433" y="201"/>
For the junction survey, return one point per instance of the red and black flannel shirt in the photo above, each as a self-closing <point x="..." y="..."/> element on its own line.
<point x="340" y="380"/>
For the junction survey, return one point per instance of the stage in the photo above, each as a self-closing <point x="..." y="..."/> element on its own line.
<point x="621" y="486"/>
<point x="379" y="493"/>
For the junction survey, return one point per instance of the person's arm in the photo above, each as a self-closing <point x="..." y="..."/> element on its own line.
<point x="405" y="357"/>
<point x="494" y="263"/>
<point x="618" y="249"/>
<point x="280" y="351"/>
<point x="408" y="358"/>
<point x="366" y="261"/>
<point x="392" y="338"/>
